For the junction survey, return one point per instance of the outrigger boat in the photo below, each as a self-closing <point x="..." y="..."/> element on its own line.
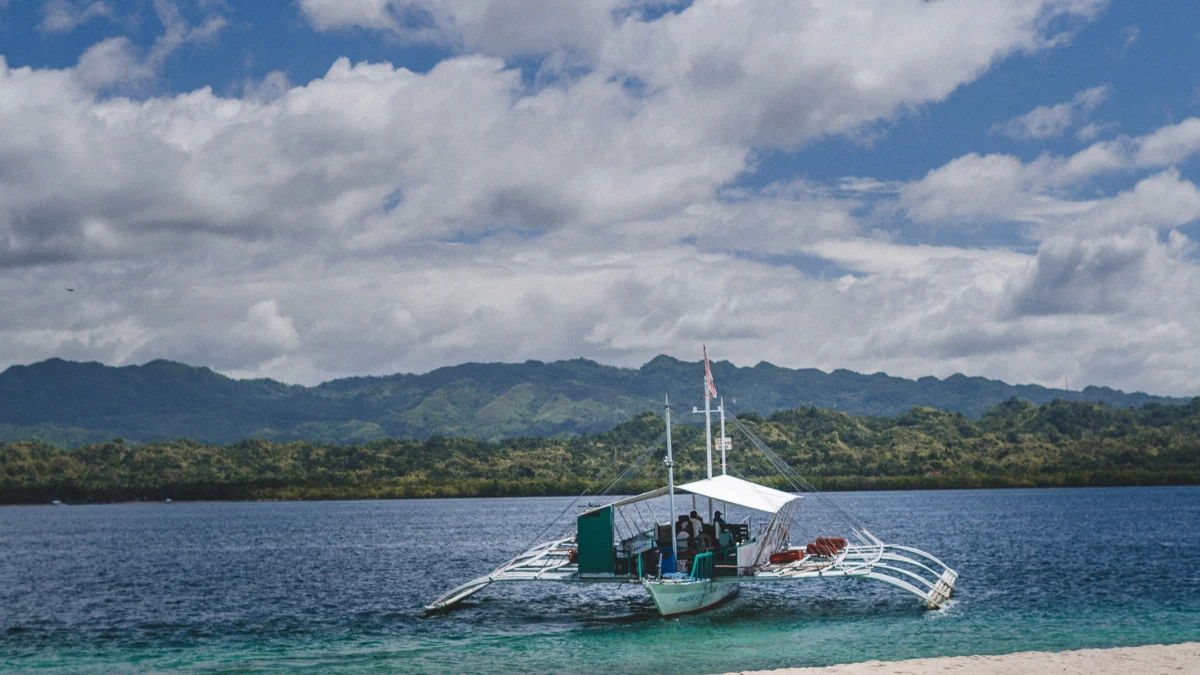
<point x="626" y="541"/>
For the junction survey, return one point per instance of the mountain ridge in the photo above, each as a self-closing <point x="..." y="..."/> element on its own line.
<point x="71" y="403"/>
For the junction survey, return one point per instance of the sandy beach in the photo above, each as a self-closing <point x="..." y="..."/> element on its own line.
<point x="1153" y="659"/>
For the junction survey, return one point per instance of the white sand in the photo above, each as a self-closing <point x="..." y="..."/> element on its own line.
<point x="1151" y="660"/>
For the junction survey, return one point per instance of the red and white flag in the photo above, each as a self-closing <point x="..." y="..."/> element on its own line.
<point x="710" y="387"/>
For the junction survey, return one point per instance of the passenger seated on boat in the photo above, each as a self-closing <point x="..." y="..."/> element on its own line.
<point x="683" y="531"/>
<point x="725" y="539"/>
<point x="718" y="522"/>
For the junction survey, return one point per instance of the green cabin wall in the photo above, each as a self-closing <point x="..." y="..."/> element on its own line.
<point x="595" y="542"/>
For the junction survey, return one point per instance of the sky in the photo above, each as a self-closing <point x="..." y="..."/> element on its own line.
<point x="310" y="189"/>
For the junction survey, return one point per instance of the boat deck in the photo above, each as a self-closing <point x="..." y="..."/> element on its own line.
<point x="904" y="567"/>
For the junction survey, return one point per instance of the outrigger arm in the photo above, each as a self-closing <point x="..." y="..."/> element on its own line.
<point x="550" y="561"/>
<point x="904" y="567"/>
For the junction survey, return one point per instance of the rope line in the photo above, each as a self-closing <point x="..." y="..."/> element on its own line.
<point x="792" y="476"/>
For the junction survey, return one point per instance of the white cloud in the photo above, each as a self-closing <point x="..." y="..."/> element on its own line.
<point x="64" y="16"/>
<point x="1001" y="188"/>
<point x="771" y="74"/>
<point x="264" y="333"/>
<point x="110" y="62"/>
<point x="1128" y="37"/>
<point x="1053" y="121"/>
<point x="116" y="63"/>
<point x="1093" y="130"/>
<point x="779" y="74"/>
<point x="1041" y="122"/>
<point x="915" y="261"/>
<point x="177" y="32"/>
<point x="1164" y="200"/>
<point x="1121" y="273"/>
<point x="494" y="27"/>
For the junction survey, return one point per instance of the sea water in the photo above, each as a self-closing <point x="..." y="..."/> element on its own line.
<point x="338" y="587"/>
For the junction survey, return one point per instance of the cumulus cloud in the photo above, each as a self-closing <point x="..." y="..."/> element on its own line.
<point x="993" y="188"/>
<point x="771" y="74"/>
<point x="1097" y="275"/>
<point x="1052" y="121"/>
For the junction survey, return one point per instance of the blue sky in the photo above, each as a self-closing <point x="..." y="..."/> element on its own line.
<point x="997" y="188"/>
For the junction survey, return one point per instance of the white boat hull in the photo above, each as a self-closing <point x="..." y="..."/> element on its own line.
<point x="682" y="597"/>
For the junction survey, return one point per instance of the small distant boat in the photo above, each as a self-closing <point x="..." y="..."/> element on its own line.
<point x="688" y="571"/>
<point x="56" y="502"/>
<point x="167" y="500"/>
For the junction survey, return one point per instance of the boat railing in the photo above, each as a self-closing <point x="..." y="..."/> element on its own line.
<point x="702" y="566"/>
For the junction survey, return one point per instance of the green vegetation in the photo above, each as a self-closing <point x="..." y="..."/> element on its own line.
<point x="1015" y="443"/>
<point x="71" y="404"/>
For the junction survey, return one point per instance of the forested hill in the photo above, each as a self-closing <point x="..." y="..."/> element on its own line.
<point x="1014" y="444"/>
<point x="69" y="404"/>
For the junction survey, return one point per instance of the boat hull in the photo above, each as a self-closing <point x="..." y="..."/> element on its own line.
<point x="684" y="597"/>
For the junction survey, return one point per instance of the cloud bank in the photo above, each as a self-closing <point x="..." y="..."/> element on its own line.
<point x="377" y="219"/>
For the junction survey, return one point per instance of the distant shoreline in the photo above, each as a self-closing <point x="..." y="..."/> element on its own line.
<point x="1148" y="660"/>
<point x="1016" y="444"/>
<point x="350" y="498"/>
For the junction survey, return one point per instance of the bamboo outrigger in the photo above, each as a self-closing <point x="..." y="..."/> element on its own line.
<point x="689" y="571"/>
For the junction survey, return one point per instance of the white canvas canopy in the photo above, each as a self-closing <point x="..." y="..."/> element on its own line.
<point x="725" y="489"/>
<point x="740" y="492"/>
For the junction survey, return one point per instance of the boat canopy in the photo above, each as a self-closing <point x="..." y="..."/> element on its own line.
<point x="740" y="492"/>
<point x="725" y="489"/>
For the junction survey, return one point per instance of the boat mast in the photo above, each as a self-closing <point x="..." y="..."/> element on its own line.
<point x="722" y="409"/>
<point x="710" y="392"/>
<point x="708" y="428"/>
<point x="671" y="481"/>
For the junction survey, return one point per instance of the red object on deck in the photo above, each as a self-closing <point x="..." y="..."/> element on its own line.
<point x="838" y="543"/>
<point x="817" y="548"/>
<point x="786" y="557"/>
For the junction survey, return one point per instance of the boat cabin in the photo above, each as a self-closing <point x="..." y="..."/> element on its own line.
<point x="624" y="541"/>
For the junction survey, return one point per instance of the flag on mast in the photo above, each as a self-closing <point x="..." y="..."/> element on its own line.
<point x="710" y="387"/>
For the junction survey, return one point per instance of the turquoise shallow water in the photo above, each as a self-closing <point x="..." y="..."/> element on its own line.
<point x="338" y="587"/>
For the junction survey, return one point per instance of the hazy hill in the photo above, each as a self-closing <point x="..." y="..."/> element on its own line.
<point x="68" y="403"/>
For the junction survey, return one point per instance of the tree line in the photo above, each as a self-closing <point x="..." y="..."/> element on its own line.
<point x="1016" y="443"/>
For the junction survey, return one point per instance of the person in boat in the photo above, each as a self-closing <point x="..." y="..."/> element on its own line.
<point x="684" y="533"/>
<point x="720" y="533"/>
<point x="718" y="522"/>
<point x="704" y="538"/>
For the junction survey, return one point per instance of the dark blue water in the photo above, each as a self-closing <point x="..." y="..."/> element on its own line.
<point x="338" y="587"/>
